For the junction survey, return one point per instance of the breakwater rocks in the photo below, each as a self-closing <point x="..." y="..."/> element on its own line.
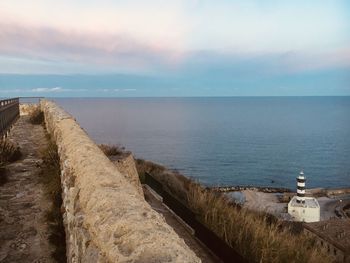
<point x="247" y="187"/>
<point x="106" y="218"/>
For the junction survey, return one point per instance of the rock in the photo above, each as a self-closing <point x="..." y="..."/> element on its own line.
<point x="127" y="167"/>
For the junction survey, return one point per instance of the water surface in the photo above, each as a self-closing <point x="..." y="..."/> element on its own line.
<point x="229" y="141"/>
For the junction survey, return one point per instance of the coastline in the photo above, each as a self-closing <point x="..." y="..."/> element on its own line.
<point x="334" y="202"/>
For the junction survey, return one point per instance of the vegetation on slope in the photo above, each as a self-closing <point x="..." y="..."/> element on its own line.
<point x="258" y="237"/>
<point x="111" y="150"/>
<point x="9" y="152"/>
<point x="50" y="178"/>
<point x="172" y="181"/>
<point x="36" y="116"/>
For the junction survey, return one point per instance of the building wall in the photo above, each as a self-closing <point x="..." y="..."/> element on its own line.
<point x="304" y="214"/>
<point x="330" y="249"/>
<point x="106" y="218"/>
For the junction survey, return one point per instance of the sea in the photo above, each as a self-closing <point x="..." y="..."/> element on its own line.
<point x="226" y="141"/>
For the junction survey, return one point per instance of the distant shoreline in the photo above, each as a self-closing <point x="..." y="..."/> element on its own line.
<point x="268" y="189"/>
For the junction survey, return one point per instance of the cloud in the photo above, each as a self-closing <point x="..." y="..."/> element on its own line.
<point x="62" y="46"/>
<point x="56" y="89"/>
<point x="127" y="90"/>
<point x="213" y="65"/>
<point x="163" y="37"/>
<point x="11" y="91"/>
<point x="117" y="90"/>
<point x="335" y="58"/>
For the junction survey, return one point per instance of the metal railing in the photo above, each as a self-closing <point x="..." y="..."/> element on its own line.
<point x="9" y="112"/>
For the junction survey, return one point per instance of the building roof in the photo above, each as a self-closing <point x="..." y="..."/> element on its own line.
<point x="310" y="202"/>
<point x="334" y="231"/>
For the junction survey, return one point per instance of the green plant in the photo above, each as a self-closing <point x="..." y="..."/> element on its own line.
<point x="36" y="116"/>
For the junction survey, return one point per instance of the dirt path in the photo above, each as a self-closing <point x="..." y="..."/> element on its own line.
<point x="23" y="228"/>
<point x="180" y="229"/>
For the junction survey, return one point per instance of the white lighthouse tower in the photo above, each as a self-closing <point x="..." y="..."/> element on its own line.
<point x="303" y="208"/>
<point x="301" y="188"/>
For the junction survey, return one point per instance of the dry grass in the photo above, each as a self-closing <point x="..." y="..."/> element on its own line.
<point x="9" y="152"/>
<point x="36" y="116"/>
<point x="50" y="178"/>
<point x="258" y="237"/>
<point x="111" y="150"/>
<point x="254" y="235"/>
<point x="144" y="166"/>
<point x="172" y="181"/>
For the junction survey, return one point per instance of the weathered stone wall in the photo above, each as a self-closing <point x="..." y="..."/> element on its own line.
<point x="106" y="218"/>
<point x="127" y="167"/>
<point x="27" y="108"/>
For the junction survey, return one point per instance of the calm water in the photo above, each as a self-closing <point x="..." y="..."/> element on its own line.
<point x="229" y="141"/>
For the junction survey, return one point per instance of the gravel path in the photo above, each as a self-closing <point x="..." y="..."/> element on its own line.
<point x="23" y="228"/>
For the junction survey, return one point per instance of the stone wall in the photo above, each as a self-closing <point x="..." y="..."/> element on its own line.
<point x="125" y="164"/>
<point x="105" y="216"/>
<point x="27" y="108"/>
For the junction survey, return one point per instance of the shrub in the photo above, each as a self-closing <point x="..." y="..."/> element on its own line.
<point x="36" y="116"/>
<point x="111" y="150"/>
<point x="9" y="152"/>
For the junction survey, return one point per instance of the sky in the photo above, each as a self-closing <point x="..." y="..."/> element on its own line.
<point x="109" y="48"/>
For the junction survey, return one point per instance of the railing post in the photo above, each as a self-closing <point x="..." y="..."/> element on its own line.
<point x="9" y="112"/>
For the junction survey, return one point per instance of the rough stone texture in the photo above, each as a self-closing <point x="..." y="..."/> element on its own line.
<point x="24" y="234"/>
<point x="125" y="164"/>
<point x="106" y="219"/>
<point x="26" y="109"/>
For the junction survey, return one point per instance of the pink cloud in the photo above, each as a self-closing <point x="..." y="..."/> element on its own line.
<point x="83" y="47"/>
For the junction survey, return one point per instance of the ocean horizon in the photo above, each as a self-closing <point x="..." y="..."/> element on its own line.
<point x="259" y="141"/>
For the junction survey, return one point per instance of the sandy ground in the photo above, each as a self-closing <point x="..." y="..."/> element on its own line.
<point x="266" y="202"/>
<point x="23" y="228"/>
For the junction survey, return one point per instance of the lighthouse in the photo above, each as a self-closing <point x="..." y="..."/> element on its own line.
<point x="301" y="188"/>
<point x="302" y="208"/>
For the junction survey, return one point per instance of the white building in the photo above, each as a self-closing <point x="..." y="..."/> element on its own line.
<point x="301" y="208"/>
